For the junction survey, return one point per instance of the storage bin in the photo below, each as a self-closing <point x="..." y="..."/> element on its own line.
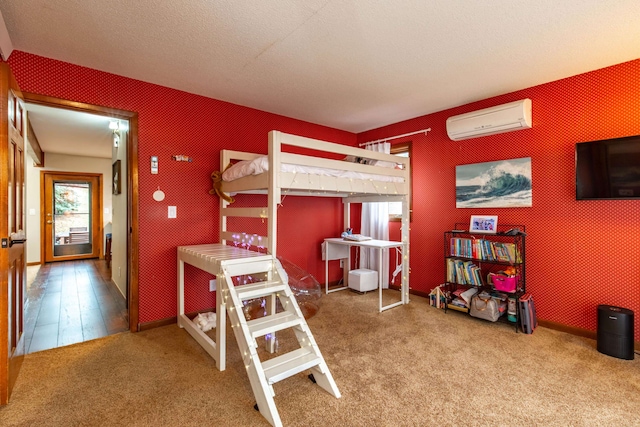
<point x="504" y="283"/>
<point x="363" y="280"/>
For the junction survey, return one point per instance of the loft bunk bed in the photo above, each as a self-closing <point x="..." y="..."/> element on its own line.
<point x="354" y="174"/>
<point x="370" y="177"/>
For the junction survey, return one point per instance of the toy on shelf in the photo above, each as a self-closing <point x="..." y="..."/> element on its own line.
<point x="181" y="158"/>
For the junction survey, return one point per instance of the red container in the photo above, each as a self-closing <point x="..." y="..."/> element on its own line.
<point x="504" y="283"/>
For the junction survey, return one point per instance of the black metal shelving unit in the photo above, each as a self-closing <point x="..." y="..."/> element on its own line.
<point x="487" y="266"/>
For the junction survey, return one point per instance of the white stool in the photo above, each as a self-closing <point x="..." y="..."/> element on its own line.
<point x="363" y="280"/>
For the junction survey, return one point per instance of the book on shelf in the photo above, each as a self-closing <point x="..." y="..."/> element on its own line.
<point x="466" y="270"/>
<point x="514" y="253"/>
<point x="490" y="250"/>
<point x="483" y="249"/>
<point x="502" y="254"/>
<point x="451" y="271"/>
<point x="463" y="272"/>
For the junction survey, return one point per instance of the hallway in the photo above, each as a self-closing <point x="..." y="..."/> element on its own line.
<point x="70" y="302"/>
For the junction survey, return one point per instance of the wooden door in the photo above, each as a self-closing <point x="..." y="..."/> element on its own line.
<point x="72" y="220"/>
<point x="12" y="231"/>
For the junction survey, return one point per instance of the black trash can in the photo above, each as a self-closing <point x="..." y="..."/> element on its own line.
<point x="615" y="331"/>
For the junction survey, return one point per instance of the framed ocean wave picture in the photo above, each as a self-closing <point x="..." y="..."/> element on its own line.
<point x="499" y="184"/>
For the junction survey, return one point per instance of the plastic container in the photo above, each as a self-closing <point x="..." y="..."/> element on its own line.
<point x="504" y="283"/>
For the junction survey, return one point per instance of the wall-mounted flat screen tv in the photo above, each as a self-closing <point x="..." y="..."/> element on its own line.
<point x="608" y="169"/>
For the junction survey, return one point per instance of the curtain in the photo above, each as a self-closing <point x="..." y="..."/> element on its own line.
<point x="375" y="224"/>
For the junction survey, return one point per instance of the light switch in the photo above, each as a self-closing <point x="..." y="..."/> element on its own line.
<point x="173" y="212"/>
<point x="154" y="165"/>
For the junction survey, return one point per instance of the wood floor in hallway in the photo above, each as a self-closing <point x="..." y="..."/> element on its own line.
<point x="70" y="302"/>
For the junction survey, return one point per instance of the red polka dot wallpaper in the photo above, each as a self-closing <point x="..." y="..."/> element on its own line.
<point x="578" y="253"/>
<point x="172" y="122"/>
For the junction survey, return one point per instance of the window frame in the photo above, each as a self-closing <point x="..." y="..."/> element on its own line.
<point x="404" y="147"/>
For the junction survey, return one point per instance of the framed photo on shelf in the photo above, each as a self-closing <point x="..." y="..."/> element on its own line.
<point x="483" y="224"/>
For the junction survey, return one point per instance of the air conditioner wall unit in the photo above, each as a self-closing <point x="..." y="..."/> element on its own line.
<point x="489" y="121"/>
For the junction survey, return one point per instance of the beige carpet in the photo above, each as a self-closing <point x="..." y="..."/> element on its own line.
<point x="410" y="366"/>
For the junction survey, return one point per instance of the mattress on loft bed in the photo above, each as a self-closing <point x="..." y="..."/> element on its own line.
<point x="261" y="164"/>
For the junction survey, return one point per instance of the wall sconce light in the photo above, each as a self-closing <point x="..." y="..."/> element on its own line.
<point x="114" y="125"/>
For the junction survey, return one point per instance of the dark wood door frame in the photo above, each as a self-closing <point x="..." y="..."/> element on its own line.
<point x="132" y="188"/>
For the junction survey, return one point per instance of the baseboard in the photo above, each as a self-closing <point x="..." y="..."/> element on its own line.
<point x="169" y="321"/>
<point x="157" y="324"/>
<point x="418" y="293"/>
<point x="568" y="329"/>
<point x="30" y="264"/>
<point x="544" y="323"/>
<point x="576" y="331"/>
<point x="581" y="332"/>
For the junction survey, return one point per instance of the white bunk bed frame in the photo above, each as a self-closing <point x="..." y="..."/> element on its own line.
<point x="277" y="184"/>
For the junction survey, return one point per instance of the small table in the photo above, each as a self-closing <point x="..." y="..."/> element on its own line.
<point x="211" y="258"/>
<point x="335" y="249"/>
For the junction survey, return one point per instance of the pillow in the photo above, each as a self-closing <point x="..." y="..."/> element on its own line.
<point x="383" y="164"/>
<point x="354" y="159"/>
<point x="371" y="162"/>
<point x="244" y="168"/>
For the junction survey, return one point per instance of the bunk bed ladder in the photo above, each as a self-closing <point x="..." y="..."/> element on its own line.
<point x="263" y="374"/>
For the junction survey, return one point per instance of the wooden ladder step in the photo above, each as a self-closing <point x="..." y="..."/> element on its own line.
<point x="289" y="364"/>
<point x="259" y="289"/>
<point x="270" y="324"/>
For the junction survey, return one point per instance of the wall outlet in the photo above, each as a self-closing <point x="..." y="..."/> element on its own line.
<point x="212" y="285"/>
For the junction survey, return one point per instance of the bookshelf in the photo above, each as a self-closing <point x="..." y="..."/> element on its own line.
<point x="478" y="261"/>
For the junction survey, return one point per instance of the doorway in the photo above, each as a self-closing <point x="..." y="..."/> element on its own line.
<point x="72" y="216"/>
<point x="129" y="238"/>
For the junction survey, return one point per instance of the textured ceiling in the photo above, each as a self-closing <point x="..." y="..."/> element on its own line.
<point x="349" y="64"/>
<point x="63" y="131"/>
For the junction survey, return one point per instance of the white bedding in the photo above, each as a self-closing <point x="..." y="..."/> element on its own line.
<point x="261" y="164"/>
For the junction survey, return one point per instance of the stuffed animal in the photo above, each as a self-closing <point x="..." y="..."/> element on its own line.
<point x="205" y="321"/>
